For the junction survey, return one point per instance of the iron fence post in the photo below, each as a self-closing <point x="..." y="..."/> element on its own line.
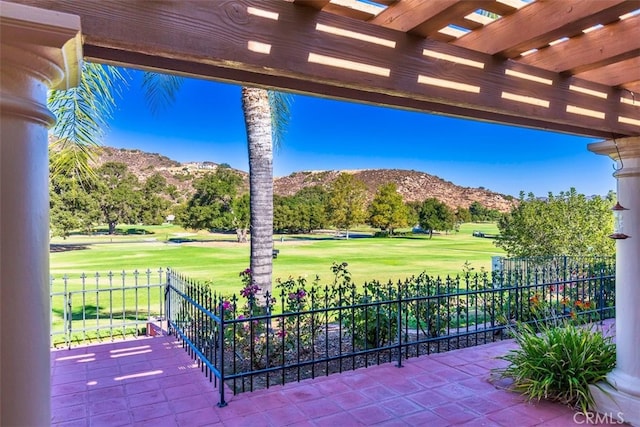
<point x="399" y="326"/>
<point x="167" y="300"/>
<point x="222" y="403"/>
<point x="601" y="296"/>
<point x="68" y="321"/>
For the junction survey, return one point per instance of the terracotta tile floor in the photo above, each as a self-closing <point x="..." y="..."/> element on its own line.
<point x="152" y="381"/>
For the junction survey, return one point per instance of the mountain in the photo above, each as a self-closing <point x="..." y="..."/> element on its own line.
<point x="413" y="185"/>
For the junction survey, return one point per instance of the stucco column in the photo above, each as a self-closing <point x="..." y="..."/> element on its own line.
<point x="624" y="395"/>
<point x="38" y="50"/>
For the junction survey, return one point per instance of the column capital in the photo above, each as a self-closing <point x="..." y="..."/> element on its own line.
<point x="53" y="38"/>
<point x="625" y="151"/>
<point x="627" y="148"/>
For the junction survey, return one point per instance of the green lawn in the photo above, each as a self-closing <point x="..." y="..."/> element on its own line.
<point x="218" y="258"/>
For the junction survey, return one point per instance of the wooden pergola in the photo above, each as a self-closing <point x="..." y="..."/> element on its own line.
<point x="563" y="65"/>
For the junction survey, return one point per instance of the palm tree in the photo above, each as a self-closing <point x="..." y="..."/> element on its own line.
<point x="266" y="114"/>
<point x="83" y="113"/>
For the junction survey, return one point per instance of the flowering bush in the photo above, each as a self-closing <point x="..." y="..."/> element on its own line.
<point x="298" y="325"/>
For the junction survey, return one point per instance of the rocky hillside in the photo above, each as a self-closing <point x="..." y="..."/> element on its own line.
<point x="144" y="164"/>
<point x="413" y="185"/>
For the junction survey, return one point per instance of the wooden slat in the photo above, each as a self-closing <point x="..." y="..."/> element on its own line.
<point x="386" y="2"/>
<point x="316" y="4"/>
<point x="615" y="74"/>
<point x="353" y="9"/>
<point x="178" y="36"/>
<point x="612" y="43"/>
<point x="540" y="23"/>
<point x="634" y="87"/>
<point x="424" y="17"/>
<point x="503" y="8"/>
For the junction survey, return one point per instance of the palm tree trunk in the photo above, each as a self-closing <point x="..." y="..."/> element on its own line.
<point x="257" y="115"/>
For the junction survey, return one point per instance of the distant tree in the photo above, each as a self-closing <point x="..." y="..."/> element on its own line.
<point x="71" y="206"/>
<point x="286" y="214"/>
<point x="435" y="215"/>
<point x="387" y="210"/>
<point x="566" y="224"/>
<point x="462" y="215"/>
<point x="241" y="217"/>
<point x="211" y="206"/>
<point x="481" y="213"/>
<point x="347" y="202"/>
<point x="413" y="212"/>
<point x="313" y="204"/>
<point x="172" y="192"/>
<point x="117" y="194"/>
<point x="154" y="206"/>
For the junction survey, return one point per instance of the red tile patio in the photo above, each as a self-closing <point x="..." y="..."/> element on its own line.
<point x="152" y="381"/>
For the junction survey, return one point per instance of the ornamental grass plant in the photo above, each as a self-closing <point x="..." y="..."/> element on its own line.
<point x="558" y="362"/>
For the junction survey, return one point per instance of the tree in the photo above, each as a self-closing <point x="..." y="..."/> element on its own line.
<point x="117" y="194"/>
<point x="387" y="210"/>
<point x="71" y="206"/>
<point x="153" y="206"/>
<point x="413" y="212"/>
<point x="481" y="213"/>
<point x="347" y="202"/>
<point x="435" y="215"/>
<point x="312" y="203"/>
<point x="241" y="216"/>
<point x="566" y="224"/>
<point x="462" y="215"/>
<point x="82" y="116"/>
<point x="211" y="207"/>
<point x="265" y="116"/>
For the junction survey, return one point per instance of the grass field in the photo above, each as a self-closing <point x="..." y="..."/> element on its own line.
<point x="219" y="259"/>
<point x="216" y="257"/>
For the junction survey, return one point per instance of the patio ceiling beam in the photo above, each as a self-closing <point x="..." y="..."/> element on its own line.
<point x="277" y="44"/>
<point x="424" y="17"/>
<point x="316" y="4"/>
<point x="615" y="74"/>
<point x="607" y="45"/>
<point x="540" y="23"/>
<point x="186" y="68"/>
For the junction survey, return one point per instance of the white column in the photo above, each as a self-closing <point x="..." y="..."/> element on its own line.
<point x="623" y="397"/>
<point x="38" y="50"/>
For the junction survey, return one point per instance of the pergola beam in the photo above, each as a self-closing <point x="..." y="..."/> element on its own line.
<point x="424" y="18"/>
<point x="539" y="23"/>
<point x="280" y="45"/>
<point x="615" y="74"/>
<point x="613" y="43"/>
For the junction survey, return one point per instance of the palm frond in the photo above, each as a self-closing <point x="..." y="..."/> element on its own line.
<point x="280" y="115"/>
<point x="160" y="90"/>
<point x="82" y="116"/>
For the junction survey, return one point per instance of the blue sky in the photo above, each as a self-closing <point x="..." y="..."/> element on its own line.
<point x="206" y="123"/>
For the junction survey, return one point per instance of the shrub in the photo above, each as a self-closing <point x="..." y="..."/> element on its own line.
<point x="373" y="322"/>
<point x="559" y="363"/>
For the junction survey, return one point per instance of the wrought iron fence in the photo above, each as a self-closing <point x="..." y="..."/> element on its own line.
<point x="306" y="330"/>
<point x="108" y="305"/>
<point x="556" y="267"/>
